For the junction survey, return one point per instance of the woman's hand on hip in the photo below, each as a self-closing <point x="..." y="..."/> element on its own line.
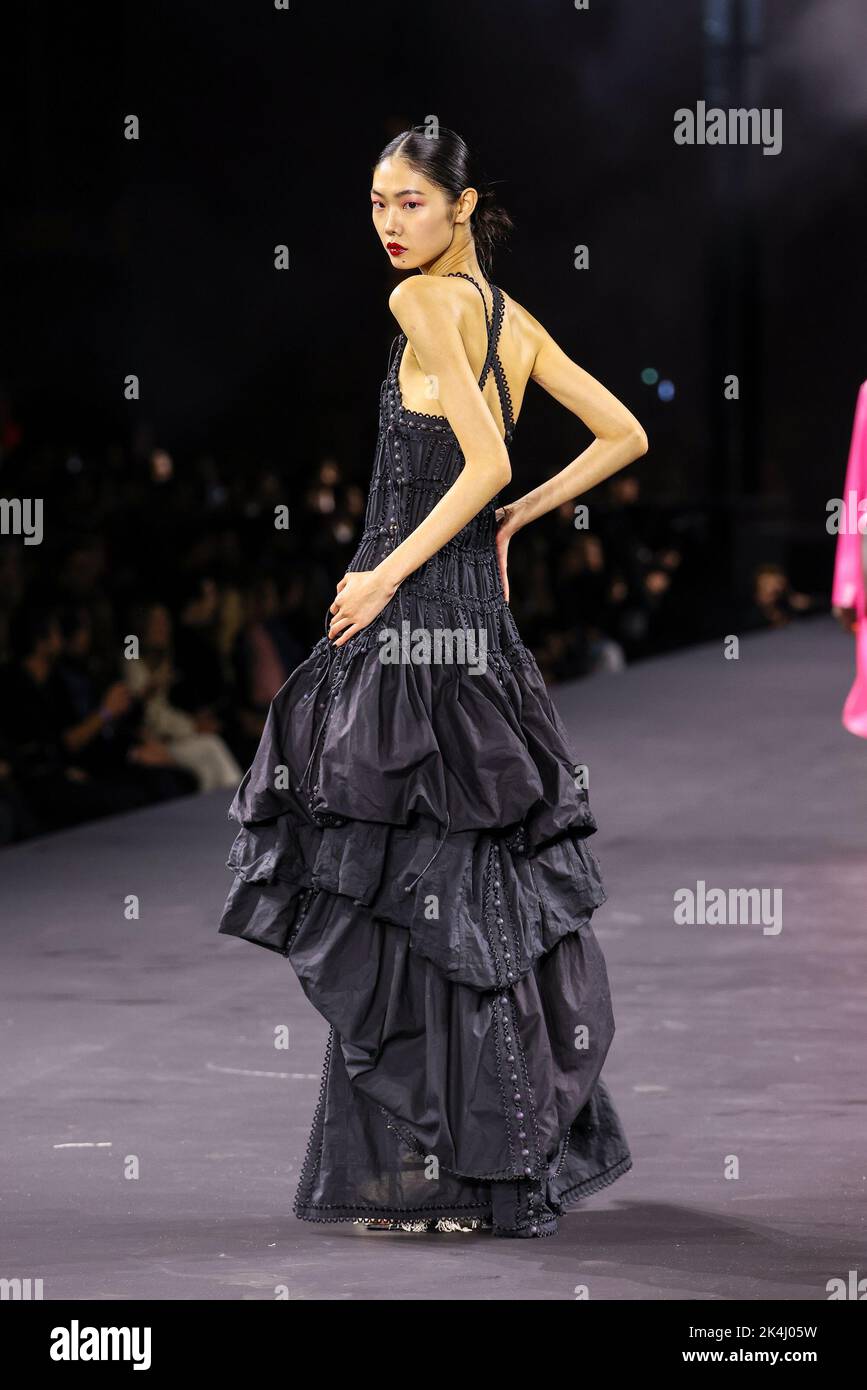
<point x="507" y="524"/>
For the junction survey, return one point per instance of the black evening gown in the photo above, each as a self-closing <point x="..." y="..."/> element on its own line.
<point x="412" y="838"/>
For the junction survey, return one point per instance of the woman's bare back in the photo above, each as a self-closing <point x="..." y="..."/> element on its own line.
<point x="517" y="348"/>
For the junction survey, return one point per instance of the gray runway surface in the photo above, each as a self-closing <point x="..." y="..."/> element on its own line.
<point x="148" y="1046"/>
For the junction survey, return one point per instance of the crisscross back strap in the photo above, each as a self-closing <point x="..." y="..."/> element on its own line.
<point x="489" y="324"/>
<point x="492" y="360"/>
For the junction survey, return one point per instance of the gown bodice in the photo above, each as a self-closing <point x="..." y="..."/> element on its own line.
<point x="418" y="458"/>
<point x="458" y="589"/>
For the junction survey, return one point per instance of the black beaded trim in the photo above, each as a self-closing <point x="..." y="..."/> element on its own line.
<point x="420" y="420"/>
<point x="512" y="1073"/>
<point x="507" y="660"/>
<point x="392" y="1213"/>
<point x="508" y="416"/>
<point x="504" y="1057"/>
<point x="327" y="820"/>
<point x="442" y="592"/>
<point x="371" y="532"/>
<point x="564" y="1148"/>
<point x="532" y="1230"/>
<point x="504" y="659"/>
<point x="493" y="329"/>
<point x="430" y="483"/>
<point x="516" y="842"/>
<point x="304" y="905"/>
<point x="316" y="1138"/>
<point x="520" y="1095"/>
<point x="503" y="960"/>
<point x="472" y="553"/>
<point x="493" y="359"/>
<point x="594" y="1184"/>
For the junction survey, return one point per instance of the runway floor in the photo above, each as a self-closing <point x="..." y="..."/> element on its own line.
<point x="153" y="1134"/>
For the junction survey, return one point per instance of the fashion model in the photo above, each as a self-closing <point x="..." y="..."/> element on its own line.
<point x="413" y="834"/>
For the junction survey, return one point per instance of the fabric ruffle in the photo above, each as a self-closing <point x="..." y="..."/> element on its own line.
<point x="423" y="777"/>
<point x="412" y="839"/>
<point x="365" y="869"/>
<point x="493" y="1085"/>
<point x="358" y="738"/>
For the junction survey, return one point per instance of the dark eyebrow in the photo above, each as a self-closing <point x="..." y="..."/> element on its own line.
<point x="400" y="194"/>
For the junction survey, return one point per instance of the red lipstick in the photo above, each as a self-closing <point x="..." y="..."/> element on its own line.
<point x="394" y="248"/>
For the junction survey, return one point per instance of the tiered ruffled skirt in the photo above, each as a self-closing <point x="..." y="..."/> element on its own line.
<point x="412" y="837"/>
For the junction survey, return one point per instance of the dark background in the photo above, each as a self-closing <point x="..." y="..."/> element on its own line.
<point x="261" y="127"/>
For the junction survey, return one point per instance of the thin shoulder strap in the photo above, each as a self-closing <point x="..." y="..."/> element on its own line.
<point x="489" y="325"/>
<point x="503" y="391"/>
<point x="492" y="360"/>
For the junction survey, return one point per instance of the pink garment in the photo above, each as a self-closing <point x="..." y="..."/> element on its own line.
<point x="267" y="672"/>
<point x="848" y="590"/>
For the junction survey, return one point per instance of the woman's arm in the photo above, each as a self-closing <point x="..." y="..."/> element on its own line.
<point x="428" y="316"/>
<point x="619" y="440"/>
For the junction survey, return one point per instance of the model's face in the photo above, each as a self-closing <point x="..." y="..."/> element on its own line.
<point x="411" y="215"/>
